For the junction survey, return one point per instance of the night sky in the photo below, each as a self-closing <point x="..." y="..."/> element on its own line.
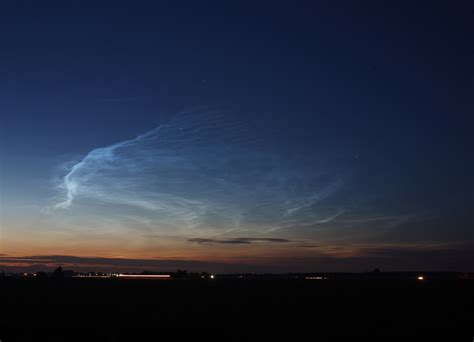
<point x="237" y="136"/>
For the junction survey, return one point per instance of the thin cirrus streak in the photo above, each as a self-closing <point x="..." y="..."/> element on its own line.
<point x="204" y="171"/>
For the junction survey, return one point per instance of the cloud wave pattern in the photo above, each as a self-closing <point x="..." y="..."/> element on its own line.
<point x="203" y="171"/>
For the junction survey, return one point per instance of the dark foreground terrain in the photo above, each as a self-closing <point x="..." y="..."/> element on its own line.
<point x="117" y="309"/>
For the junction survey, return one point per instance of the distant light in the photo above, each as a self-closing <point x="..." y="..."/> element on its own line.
<point x="212" y="276"/>
<point x="145" y="276"/>
<point x="420" y="278"/>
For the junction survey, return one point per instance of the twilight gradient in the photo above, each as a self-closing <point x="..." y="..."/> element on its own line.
<point x="236" y="137"/>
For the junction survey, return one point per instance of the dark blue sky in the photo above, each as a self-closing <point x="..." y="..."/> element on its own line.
<point x="345" y="126"/>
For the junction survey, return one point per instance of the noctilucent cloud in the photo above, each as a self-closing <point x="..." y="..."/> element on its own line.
<point x="236" y="137"/>
<point x="204" y="172"/>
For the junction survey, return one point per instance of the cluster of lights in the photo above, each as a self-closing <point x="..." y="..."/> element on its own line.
<point x="92" y="276"/>
<point x="210" y="276"/>
<point x="315" y="278"/>
<point x="24" y="274"/>
<point x="145" y="276"/>
<point x="129" y="276"/>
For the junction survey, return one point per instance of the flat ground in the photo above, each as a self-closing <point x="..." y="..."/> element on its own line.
<point x="116" y="309"/>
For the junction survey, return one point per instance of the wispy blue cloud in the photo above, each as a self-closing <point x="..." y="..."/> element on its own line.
<point x="205" y="171"/>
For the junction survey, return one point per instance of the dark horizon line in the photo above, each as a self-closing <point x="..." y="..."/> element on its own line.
<point x="151" y="272"/>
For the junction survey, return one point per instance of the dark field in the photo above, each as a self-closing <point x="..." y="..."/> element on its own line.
<point x="117" y="309"/>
